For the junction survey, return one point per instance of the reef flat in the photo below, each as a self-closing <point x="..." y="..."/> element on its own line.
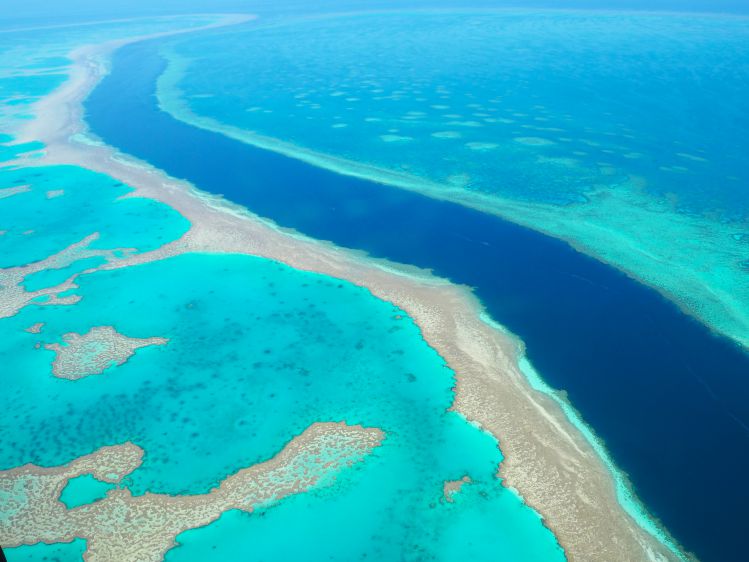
<point x="646" y="182"/>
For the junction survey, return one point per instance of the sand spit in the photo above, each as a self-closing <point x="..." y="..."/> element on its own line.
<point x="548" y="461"/>
<point x="147" y="525"/>
<point x="94" y="352"/>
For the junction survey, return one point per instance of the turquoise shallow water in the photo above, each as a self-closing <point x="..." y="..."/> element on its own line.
<point x="34" y="58"/>
<point x="53" y="277"/>
<point x="465" y="530"/>
<point x="624" y="134"/>
<point x="37" y="227"/>
<point x="70" y="552"/>
<point x="256" y="353"/>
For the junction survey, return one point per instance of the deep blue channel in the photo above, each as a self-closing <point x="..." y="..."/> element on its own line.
<point x="669" y="398"/>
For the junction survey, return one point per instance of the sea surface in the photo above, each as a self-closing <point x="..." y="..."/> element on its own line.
<point x="256" y="352"/>
<point x="61" y="552"/>
<point x="668" y="396"/>
<point x="625" y="134"/>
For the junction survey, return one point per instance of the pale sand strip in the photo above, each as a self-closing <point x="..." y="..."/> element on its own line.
<point x="547" y="459"/>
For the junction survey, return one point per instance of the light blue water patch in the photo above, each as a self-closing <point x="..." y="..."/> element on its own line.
<point x="84" y="489"/>
<point x="17" y="101"/>
<point x="34" y="57"/>
<point x="48" y="62"/>
<point x="42" y="222"/>
<point x="10" y="151"/>
<point x="60" y="552"/>
<point x="257" y="352"/>
<point x="52" y="277"/>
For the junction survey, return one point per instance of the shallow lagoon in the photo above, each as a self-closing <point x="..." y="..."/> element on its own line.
<point x="34" y="58"/>
<point x="270" y="349"/>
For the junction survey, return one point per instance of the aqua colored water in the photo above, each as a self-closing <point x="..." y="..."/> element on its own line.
<point x="612" y="344"/>
<point x="26" y="89"/>
<point x="37" y="226"/>
<point x="621" y="93"/>
<point x="622" y="133"/>
<point x="256" y="353"/>
<point x="245" y="352"/>
<point x="69" y="552"/>
<point x="84" y="489"/>
<point x="465" y="530"/>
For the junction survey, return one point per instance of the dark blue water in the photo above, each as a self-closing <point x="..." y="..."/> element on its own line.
<point x="670" y="399"/>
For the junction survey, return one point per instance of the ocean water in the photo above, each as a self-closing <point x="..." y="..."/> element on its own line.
<point x="622" y="133"/>
<point x="36" y="226"/>
<point x="52" y="277"/>
<point x="61" y="552"/>
<point x="613" y="345"/>
<point x="257" y="352"/>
